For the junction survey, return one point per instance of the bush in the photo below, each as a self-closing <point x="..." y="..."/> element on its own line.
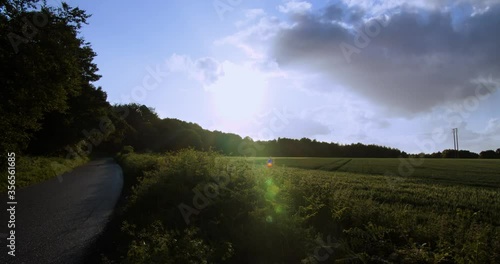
<point x="127" y="149"/>
<point x="32" y="170"/>
<point x="200" y="207"/>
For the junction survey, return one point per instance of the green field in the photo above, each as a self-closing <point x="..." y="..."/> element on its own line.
<point x="477" y="172"/>
<point x="307" y="210"/>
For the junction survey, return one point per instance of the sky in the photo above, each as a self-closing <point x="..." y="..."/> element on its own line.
<point x="390" y="73"/>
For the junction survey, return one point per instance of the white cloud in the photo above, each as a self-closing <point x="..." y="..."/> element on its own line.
<point x="250" y="16"/>
<point x="179" y="63"/>
<point x="254" y="13"/>
<point x="254" y="39"/>
<point x="206" y="70"/>
<point x="295" y="7"/>
<point x="493" y="127"/>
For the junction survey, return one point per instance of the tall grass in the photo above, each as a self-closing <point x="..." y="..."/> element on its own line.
<point x="32" y="170"/>
<point x="195" y="207"/>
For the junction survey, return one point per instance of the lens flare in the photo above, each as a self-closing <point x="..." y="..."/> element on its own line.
<point x="271" y="195"/>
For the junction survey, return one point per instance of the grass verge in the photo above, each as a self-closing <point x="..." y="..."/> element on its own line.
<point x="33" y="170"/>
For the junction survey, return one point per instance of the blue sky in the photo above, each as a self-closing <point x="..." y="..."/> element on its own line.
<point x="269" y="69"/>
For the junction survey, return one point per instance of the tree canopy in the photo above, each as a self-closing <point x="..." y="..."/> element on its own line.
<point x="47" y="72"/>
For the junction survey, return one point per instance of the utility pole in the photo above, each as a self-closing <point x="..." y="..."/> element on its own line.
<point x="455" y="141"/>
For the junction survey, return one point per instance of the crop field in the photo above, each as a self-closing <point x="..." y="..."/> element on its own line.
<point x="478" y="172"/>
<point x="197" y="207"/>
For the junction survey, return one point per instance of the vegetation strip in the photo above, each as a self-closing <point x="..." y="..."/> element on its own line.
<point x="291" y="215"/>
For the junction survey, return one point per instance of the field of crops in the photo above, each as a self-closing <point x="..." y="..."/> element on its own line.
<point x="196" y="207"/>
<point x="476" y="172"/>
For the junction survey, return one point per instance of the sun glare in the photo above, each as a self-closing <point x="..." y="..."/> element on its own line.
<point x="238" y="95"/>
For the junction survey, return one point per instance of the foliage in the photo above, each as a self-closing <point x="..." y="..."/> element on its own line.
<point x="146" y="131"/>
<point x="46" y="74"/>
<point x="490" y="154"/>
<point x="463" y="154"/>
<point x="32" y="170"/>
<point x="127" y="149"/>
<point x="293" y="215"/>
<point x="242" y="208"/>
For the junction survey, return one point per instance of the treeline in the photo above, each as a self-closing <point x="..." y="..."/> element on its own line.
<point x="464" y="154"/>
<point x="146" y="132"/>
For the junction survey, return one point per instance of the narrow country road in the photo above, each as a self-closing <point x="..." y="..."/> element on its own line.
<point x="57" y="222"/>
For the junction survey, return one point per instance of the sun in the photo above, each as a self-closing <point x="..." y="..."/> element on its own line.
<point x="239" y="95"/>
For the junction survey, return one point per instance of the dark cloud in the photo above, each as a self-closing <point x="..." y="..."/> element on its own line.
<point x="408" y="60"/>
<point x="333" y="12"/>
<point x="341" y="12"/>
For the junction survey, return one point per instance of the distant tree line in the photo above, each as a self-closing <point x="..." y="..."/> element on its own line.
<point x="146" y="132"/>
<point x="464" y="154"/>
<point x="50" y="105"/>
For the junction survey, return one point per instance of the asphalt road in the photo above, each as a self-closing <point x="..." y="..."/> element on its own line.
<point x="58" y="222"/>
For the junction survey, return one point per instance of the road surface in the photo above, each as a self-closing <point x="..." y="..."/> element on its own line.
<point x="57" y="222"/>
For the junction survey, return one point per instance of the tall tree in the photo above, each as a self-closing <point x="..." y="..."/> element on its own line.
<point x="43" y="63"/>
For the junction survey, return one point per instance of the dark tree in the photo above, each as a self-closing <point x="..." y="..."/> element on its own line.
<point x="43" y="65"/>
<point x="488" y="154"/>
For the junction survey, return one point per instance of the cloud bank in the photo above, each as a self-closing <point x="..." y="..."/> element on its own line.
<point x="408" y="60"/>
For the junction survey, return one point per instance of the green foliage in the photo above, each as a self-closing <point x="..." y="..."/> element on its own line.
<point x="293" y="215"/>
<point x="47" y="74"/>
<point x="241" y="204"/>
<point x="451" y="153"/>
<point x="490" y="154"/>
<point x="144" y="130"/>
<point x="127" y="149"/>
<point x="32" y="170"/>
